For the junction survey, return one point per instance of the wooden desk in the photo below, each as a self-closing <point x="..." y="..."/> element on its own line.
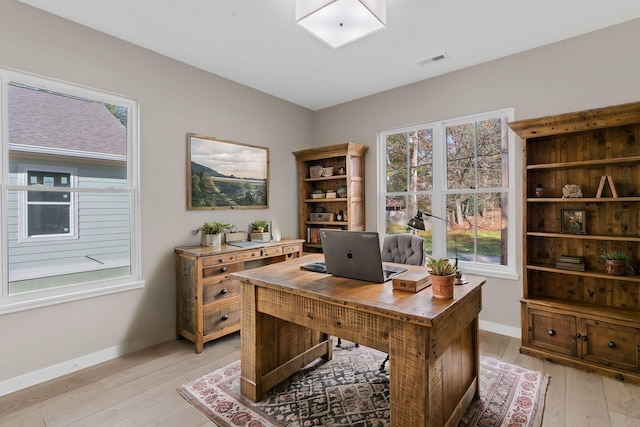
<point x="208" y="301"/>
<point x="433" y="344"/>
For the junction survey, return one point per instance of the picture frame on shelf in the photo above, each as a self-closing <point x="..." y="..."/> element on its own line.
<point x="574" y="221"/>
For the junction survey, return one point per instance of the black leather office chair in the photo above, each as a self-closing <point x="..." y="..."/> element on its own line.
<point x="403" y="249"/>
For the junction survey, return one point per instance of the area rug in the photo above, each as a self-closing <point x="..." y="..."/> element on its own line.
<point x="351" y="391"/>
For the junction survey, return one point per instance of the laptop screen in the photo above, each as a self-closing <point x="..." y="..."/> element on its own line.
<point x="354" y="254"/>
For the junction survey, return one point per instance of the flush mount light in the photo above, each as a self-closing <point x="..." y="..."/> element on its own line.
<point x="338" y="22"/>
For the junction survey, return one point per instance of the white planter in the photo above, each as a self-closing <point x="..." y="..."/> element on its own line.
<point x="212" y="239"/>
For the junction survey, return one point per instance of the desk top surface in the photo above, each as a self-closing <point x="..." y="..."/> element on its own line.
<point x="380" y="298"/>
<point x="198" y="251"/>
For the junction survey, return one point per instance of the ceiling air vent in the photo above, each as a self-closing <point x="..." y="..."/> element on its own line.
<point x="435" y="58"/>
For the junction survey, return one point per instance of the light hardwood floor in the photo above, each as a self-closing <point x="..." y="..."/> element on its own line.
<point x="140" y="390"/>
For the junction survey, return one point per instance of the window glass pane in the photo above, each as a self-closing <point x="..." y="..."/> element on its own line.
<point x="396" y="171"/>
<point x="491" y="149"/>
<point x="48" y="219"/>
<point x="102" y="250"/>
<point x="421" y="160"/>
<point x="461" y="152"/>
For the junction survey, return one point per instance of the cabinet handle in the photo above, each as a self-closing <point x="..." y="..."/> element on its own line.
<point x="612" y="344"/>
<point x="584" y="338"/>
<point x="224" y="291"/>
<point x="577" y="335"/>
<point x="552" y="332"/>
<point x="224" y="317"/>
<point x="223" y="270"/>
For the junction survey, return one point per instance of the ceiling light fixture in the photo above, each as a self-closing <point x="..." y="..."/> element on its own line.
<point x="338" y="22"/>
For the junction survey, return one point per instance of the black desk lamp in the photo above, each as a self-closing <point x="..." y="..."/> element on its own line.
<point x="417" y="222"/>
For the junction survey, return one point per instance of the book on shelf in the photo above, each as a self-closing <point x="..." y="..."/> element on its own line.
<point x="570" y="266"/>
<point x="571" y="259"/>
<point x="614" y="193"/>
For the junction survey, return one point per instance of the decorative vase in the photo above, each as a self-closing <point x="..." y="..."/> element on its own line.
<point x="442" y="286"/>
<point x="615" y="267"/>
<point x="539" y="190"/>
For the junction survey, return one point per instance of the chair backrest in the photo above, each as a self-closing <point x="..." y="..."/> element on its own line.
<point x="404" y="249"/>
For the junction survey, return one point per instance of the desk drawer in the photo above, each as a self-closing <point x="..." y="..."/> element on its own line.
<point x="220" y="270"/>
<point x="221" y="316"/>
<point x="220" y="291"/>
<point x="218" y="259"/>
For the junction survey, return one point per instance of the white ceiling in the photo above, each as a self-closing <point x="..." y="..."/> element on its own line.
<point x="258" y="44"/>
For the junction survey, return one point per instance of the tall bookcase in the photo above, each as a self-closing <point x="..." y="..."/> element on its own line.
<point x="323" y="198"/>
<point x="581" y="316"/>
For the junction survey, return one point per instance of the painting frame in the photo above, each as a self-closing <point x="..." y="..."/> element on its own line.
<point x="573" y="221"/>
<point x="224" y="174"/>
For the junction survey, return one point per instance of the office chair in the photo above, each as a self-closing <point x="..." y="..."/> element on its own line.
<point x="403" y="249"/>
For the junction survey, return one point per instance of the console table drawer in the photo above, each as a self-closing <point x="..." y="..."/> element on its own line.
<point x="245" y="256"/>
<point x="222" y="316"/>
<point x="218" y="259"/>
<point x="291" y="249"/>
<point x="269" y="252"/>
<point x="218" y="270"/>
<point x="220" y="291"/>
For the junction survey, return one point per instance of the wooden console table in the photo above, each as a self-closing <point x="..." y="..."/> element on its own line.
<point x="208" y="300"/>
<point x="288" y="313"/>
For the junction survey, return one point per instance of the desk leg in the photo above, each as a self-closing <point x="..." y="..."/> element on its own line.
<point x="408" y="374"/>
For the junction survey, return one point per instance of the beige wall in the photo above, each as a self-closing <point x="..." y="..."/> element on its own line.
<point x="174" y="99"/>
<point x="590" y="71"/>
<point x="594" y="70"/>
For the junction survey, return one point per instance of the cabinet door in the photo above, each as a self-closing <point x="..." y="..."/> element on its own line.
<point x="552" y="331"/>
<point x="611" y="345"/>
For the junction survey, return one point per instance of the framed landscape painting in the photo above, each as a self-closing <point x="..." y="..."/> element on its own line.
<point x="225" y="174"/>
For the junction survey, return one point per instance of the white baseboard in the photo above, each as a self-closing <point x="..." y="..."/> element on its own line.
<point x="36" y="377"/>
<point x="51" y="372"/>
<point x="501" y="329"/>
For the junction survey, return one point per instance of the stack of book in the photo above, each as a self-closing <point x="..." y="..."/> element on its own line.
<point x="567" y="262"/>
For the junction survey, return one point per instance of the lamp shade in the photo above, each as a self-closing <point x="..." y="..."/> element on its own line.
<point x="338" y="22"/>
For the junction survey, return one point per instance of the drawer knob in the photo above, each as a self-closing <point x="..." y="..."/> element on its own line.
<point x="220" y="260"/>
<point x="612" y="344"/>
<point x="224" y="291"/>
<point x="223" y="270"/>
<point x="224" y="317"/>
<point x="584" y="338"/>
<point x="551" y="332"/>
<point x="578" y="335"/>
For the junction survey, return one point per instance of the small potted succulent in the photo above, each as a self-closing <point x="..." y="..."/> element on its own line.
<point x="443" y="274"/>
<point x="615" y="262"/>
<point x="260" y="231"/>
<point x="212" y="232"/>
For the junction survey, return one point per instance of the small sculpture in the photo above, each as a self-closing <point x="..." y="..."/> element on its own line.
<point x="571" y="191"/>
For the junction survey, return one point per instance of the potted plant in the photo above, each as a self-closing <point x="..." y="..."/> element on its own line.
<point x="260" y="231"/>
<point x="233" y="235"/>
<point x="260" y="226"/>
<point x="443" y="274"/>
<point x="615" y="262"/>
<point x="212" y="232"/>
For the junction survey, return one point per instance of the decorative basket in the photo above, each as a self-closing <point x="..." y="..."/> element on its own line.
<point x="315" y="171"/>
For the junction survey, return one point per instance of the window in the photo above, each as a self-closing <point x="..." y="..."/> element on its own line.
<point x="69" y="188"/>
<point x="458" y="171"/>
<point x="46" y="214"/>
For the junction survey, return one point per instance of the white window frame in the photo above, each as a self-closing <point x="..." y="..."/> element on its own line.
<point x="23" y="204"/>
<point x="440" y="192"/>
<point x="24" y="301"/>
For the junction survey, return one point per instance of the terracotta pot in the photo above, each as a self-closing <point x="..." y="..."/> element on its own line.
<point x="615" y="267"/>
<point x="442" y="286"/>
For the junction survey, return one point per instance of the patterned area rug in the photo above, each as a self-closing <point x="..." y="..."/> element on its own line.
<point x="350" y="391"/>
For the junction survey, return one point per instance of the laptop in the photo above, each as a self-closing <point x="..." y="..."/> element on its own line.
<point x="353" y="254"/>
